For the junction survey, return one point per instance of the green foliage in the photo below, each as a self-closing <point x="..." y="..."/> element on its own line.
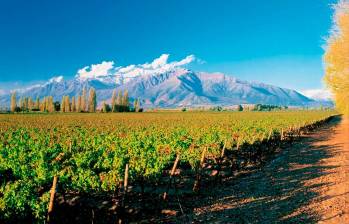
<point x="89" y="152"/>
<point x="262" y="107"/>
<point x="106" y="107"/>
<point x="217" y="108"/>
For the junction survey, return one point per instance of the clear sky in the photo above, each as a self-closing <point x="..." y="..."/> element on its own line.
<point x="273" y="41"/>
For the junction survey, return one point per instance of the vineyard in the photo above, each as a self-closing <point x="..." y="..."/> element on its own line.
<point x="129" y="159"/>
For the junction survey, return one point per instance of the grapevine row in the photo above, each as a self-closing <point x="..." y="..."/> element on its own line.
<point x="89" y="153"/>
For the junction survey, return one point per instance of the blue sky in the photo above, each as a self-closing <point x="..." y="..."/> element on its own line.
<point x="273" y="41"/>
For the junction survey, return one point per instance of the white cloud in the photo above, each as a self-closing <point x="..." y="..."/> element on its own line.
<point x="318" y="94"/>
<point x="158" y="65"/>
<point x="189" y="59"/>
<point x="56" y="79"/>
<point x="2" y="92"/>
<point x="96" y="70"/>
<point x="161" y="61"/>
<point x="127" y="68"/>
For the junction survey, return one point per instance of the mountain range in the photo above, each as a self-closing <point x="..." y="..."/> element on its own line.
<point x="173" y="87"/>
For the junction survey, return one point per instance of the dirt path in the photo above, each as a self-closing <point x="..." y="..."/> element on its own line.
<point x="305" y="183"/>
<point x="333" y="203"/>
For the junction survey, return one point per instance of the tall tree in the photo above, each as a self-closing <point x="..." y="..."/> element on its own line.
<point x="42" y="104"/>
<point x="78" y="105"/>
<point x="26" y="104"/>
<point x="67" y="104"/>
<point x="104" y="107"/>
<point x="337" y="57"/>
<point x="37" y="103"/>
<point x="113" y="101"/>
<point x="63" y="104"/>
<point x="30" y="104"/>
<point x="73" y="104"/>
<point x="92" y="101"/>
<point x="13" y="101"/>
<point x="21" y="103"/>
<point x="51" y="105"/>
<point x="83" y="99"/>
<point x="137" y="105"/>
<point x="125" y="101"/>
<point x="119" y="102"/>
<point x="46" y="104"/>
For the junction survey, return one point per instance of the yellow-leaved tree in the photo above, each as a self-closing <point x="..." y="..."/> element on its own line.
<point x="337" y="57"/>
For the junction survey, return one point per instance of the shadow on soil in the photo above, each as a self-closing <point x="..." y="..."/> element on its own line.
<point x="271" y="194"/>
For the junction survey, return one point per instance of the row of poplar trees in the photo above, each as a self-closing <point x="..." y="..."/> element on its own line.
<point x="81" y="104"/>
<point x="27" y="104"/>
<point x="120" y="103"/>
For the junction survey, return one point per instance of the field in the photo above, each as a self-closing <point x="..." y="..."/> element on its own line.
<point x="124" y="157"/>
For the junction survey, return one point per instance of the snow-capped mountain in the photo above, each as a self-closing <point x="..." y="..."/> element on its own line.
<point x="176" y="87"/>
<point x="163" y="84"/>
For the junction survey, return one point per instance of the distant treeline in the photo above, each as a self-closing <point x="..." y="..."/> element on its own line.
<point x="256" y="107"/>
<point x="263" y="107"/>
<point x="79" y="104"/>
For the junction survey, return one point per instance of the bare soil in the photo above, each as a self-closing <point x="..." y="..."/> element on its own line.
<point x="307" y="182"/>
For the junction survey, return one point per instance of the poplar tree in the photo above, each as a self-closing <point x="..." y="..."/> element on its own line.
<point x="46" y="104"/>
<point x="83" y="99"/>
<point x="119" y="102"/>
<point x="78" y="105"/>
<point x="337" y="58"/>
<point x="13" y="102"/>
<point x="30" y="104"/>
<point x="73" y="104"/>
<point x="136" y="105"/>
<point x="21" y="103"/>
<point x="67" y="104"/>
<point x="125" y="101"/>
<point x="92" y="101"/>
<point x="37" y="103"/>
<point x="26" y="104"/>
<point x="42" y="105"/>
<point x="113" y="101"/>
<point x="51" y="105"/>
<point x="63" y="104"/>
<point x="104" y="107"/>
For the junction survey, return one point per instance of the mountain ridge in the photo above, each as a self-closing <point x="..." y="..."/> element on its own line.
<point x="177" y="87"/>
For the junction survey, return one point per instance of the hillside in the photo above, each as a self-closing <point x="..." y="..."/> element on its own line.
<point x="173" y="88"/>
